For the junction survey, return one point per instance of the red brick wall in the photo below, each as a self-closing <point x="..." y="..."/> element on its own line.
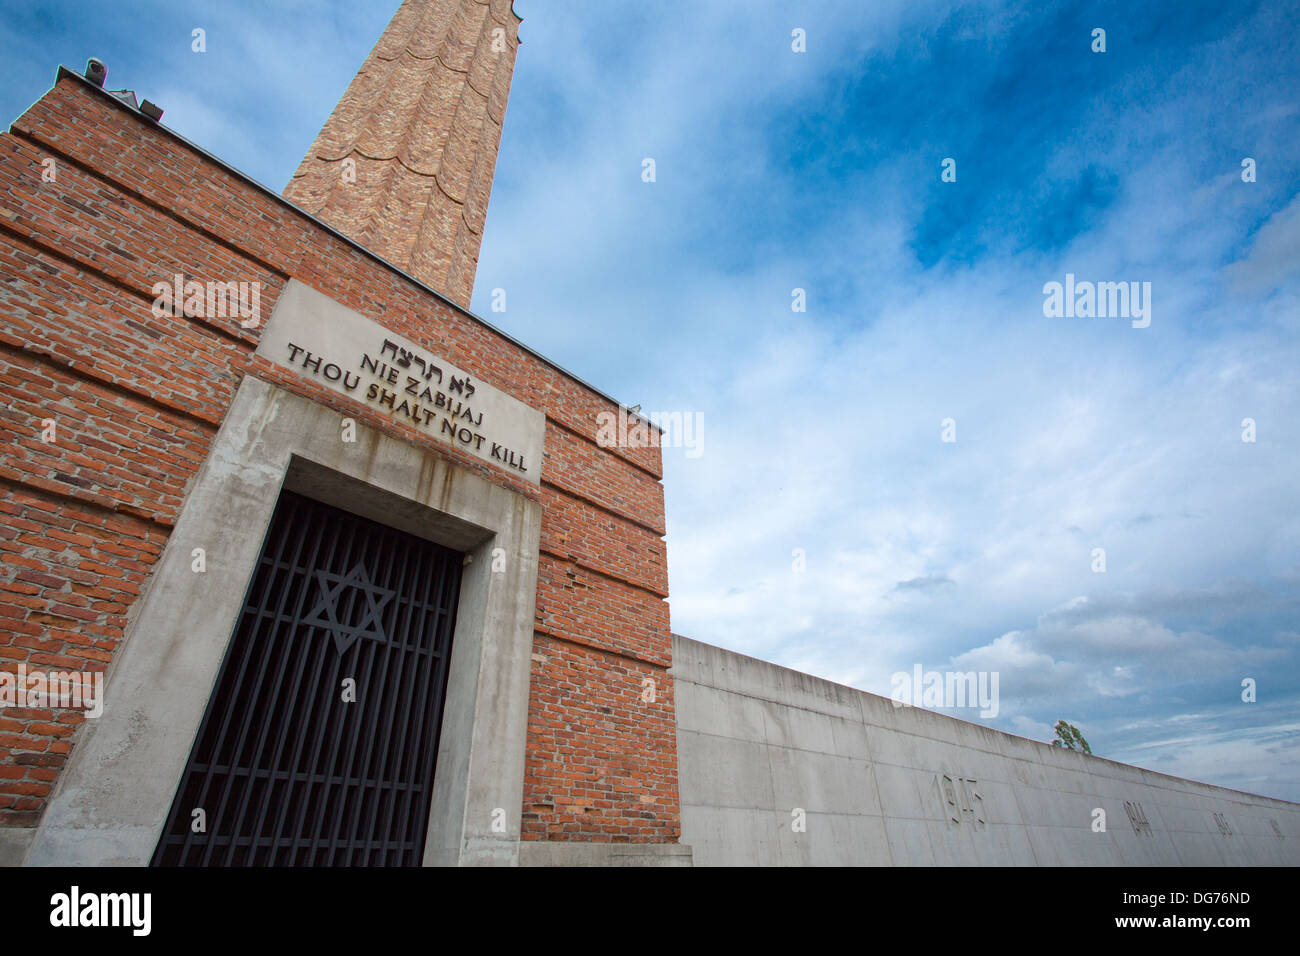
<point x="137" y="399"/>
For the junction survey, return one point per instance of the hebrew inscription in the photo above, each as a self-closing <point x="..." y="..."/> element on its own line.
<point x="321" y="340"/>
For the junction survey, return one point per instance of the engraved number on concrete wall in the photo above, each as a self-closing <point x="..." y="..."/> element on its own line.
<point x="960" y="801"/>
<point x="1137" y="817"/>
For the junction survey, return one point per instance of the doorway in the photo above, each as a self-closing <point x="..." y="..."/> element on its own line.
<point x="320" y="739"/>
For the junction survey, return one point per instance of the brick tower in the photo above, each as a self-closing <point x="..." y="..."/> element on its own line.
<point x="404" y="164"/>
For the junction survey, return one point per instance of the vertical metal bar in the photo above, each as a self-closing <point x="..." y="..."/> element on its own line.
<point x="312" y="644"/>
<point x="250" y="622"/>
<point x="278" y="650"/>
<point x="331" y="716"/>
<point x="403" y="627"/>
<point x="416" y="739"/>
<point x="372" y="700"/>
<point x="424" y="761"/>
<point x="279" y="714"/>
<point x="264" y="657"/>
<point x="380" y="700"/>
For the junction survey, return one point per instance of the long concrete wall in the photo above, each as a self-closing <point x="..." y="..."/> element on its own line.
<point x="880" y="785"/>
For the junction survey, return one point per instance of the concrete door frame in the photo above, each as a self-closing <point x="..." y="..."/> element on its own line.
<point x="112" y="799"/>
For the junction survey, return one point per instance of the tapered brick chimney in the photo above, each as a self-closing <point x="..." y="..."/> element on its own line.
<point x="404" y="164"/>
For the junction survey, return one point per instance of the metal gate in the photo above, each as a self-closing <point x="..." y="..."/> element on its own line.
<point x="319" y="742"/>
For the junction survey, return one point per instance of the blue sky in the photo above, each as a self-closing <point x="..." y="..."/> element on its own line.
<point x="821" y="170"/>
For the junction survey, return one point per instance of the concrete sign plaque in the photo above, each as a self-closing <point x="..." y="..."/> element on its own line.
<point x="319" y="339"/>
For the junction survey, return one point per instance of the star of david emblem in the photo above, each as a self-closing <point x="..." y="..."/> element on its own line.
<point x="326" y="612"/>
